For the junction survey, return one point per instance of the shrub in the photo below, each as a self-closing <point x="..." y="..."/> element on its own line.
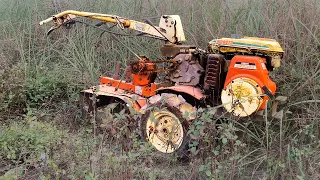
<point x="44" y="89"/>
<point x="26" y="142"/>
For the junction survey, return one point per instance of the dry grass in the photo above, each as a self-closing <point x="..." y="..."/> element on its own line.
<point x="70" y="60"/>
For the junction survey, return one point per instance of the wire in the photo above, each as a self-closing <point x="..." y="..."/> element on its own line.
<point x="104" y="30"/>
<point x="113" y="35"/>
<point x="149" y="22"/>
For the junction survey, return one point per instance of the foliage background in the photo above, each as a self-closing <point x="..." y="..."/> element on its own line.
<point x="41" y="76"/>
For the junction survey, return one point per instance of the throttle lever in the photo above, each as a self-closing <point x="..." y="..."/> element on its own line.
<point x="50" y="30"/>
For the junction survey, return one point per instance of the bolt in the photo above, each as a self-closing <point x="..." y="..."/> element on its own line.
<point x="150" y="128"/>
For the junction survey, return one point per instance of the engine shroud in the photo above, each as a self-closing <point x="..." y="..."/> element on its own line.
<point x="247" y="86"/>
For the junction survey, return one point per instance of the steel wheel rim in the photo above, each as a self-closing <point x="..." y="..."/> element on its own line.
<point x="164" y="131"/>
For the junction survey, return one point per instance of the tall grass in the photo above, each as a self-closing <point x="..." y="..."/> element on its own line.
<point x="39" y="71"/>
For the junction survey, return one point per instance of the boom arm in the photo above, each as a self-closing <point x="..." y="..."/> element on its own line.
<point x="170" y="27"/>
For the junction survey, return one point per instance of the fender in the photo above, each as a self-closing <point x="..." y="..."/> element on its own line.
<point x="193" y="91"/>
<point x="133" y="100"/>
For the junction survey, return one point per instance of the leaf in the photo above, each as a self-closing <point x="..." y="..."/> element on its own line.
<point x="213" y="111"/>
<point x="195" y="143"/>
<point x="89" y="130"/>
<point x="208" y="173"/>
<point x="216" y="153"/>
<point x="200" y="126"/>
<point x="87" y="177"/>
<point x="193" y="149"/>
<point x="202" y="167"/>
<point x="300" y="177"/>
<point x="11" y="96"/>
<point x="282" y="165"/>
<point x="238" y="142"/>
<point x="224" y="140"/>
<point x="196" y="133"/>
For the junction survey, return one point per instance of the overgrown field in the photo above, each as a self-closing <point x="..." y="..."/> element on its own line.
<point x="42" y="135"/>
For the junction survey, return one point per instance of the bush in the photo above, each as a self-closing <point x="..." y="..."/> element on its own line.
<point x="12" y="96"/>
<point x="26" y="142"/>
<point x="44" y="88"/>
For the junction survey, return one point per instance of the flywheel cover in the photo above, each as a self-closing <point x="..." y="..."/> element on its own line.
<point x="242" y="97"/>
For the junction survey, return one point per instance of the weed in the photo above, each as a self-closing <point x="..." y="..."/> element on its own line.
<point x="38" y="71"/>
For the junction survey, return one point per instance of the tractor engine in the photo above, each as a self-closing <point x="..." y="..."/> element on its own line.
<point x="235" y="72"/>
<point x="247" y="85"/>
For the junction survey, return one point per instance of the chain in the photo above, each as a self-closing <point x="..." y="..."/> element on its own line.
<point x="164" y="61"/>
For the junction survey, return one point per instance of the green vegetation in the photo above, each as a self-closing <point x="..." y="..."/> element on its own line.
<point x="43" y="137"/>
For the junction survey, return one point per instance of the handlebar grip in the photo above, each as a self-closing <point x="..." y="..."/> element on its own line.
<point x="46" y="21"/>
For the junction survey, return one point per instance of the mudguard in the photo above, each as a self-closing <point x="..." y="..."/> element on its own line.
<point x="193" y="91"/>
<point x="132" y="100"/>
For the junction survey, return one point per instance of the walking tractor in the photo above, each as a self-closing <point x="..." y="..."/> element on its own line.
<point x="231" y="74"/>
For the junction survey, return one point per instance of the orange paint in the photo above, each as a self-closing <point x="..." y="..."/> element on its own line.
<point x="145" y="91"/>
<point x="142" y="72"/>
<point x="252" y="67"/>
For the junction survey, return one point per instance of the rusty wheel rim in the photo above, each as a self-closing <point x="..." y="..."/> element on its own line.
<point x="164" y="131"/>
